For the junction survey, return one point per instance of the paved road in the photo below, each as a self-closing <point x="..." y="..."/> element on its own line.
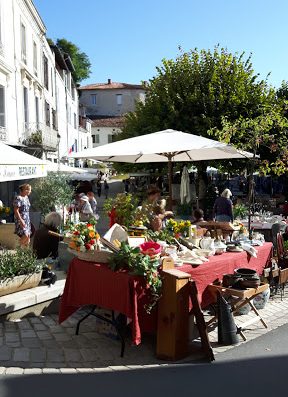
<point x="257" y="368"/>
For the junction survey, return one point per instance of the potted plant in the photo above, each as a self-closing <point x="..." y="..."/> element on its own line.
<point x="240" y="211"/>
<point x="19" y="270"/>
<point x="51" y="192"/>
<point x="122" y="207"/>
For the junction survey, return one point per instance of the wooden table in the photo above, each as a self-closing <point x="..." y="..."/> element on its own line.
<point x="242" y="297"/>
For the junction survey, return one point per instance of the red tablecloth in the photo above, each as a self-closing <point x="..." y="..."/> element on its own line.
<point x="89" y="283"/>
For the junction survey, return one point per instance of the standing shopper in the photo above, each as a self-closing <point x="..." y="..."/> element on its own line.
<point x="21" y="206"/>
<point x="223" y="208"/>
<point x="106" y="188"/>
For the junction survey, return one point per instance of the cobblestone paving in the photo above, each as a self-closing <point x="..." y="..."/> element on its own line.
<point x="35" y="345"/>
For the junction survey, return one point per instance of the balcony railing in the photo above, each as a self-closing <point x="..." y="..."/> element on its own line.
<point x="39" y="135"/>
<point x="3" y="134"/>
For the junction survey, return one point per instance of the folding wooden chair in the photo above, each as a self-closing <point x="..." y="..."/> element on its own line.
<point x="282" y="262"/>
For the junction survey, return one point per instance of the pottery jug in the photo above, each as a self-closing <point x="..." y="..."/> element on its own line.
<point x="207" y="243"/>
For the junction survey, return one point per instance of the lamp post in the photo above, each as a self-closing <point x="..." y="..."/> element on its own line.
<point x="58" y="151"/>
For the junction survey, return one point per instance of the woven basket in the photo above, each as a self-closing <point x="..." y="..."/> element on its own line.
<point x="93" y="256"/>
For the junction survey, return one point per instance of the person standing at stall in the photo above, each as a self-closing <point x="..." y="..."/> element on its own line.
<point x="21" y="207"/>
<point x="106" y="188"/>
<point x="223" y="207"/>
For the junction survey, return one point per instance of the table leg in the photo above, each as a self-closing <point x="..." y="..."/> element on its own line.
<point x="83" y="318"/>
<point x="257" y="313"/>
<point x="119" y="325"/>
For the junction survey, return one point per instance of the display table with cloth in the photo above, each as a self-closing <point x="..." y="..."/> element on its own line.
<point x="95" y="284"/>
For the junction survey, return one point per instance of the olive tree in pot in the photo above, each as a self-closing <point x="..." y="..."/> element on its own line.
<point x="52" y="192"/>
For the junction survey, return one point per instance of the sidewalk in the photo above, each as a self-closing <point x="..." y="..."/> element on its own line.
<point x="41" y="345"/>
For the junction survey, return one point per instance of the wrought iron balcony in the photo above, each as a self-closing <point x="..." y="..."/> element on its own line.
<point x="3" y="134"/>
<point x="39" y="136"/>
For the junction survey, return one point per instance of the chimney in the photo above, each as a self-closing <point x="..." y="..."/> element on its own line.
<point x="109" y="81"/>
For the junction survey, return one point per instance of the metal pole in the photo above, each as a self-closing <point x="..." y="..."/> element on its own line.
<point x="170" y="175"/>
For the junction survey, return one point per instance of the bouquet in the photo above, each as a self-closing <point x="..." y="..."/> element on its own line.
<point x="179" y="227"/>
<point x="84" y="237"/>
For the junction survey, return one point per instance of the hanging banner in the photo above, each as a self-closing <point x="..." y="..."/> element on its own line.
<point x="11" y="172"/>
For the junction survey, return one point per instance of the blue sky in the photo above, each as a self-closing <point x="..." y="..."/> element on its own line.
<point x="125" y="40"/>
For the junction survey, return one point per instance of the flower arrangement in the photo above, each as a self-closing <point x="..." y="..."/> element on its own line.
<point x="4" y="210"/>
<point x="179" y="227"/>
<point x="84" y="237"/>
<point x="137" y="263"/>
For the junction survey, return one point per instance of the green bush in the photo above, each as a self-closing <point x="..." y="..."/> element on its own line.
<point x="19" y="262"/>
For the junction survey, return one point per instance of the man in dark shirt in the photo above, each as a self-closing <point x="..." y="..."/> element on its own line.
<point x="45" y="244"/>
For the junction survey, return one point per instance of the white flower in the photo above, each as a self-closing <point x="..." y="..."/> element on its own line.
<point x="82" y="248"/>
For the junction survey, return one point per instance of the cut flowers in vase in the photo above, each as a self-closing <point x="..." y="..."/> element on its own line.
<point x="179" y="227"/>
<point x="84" y="237"/>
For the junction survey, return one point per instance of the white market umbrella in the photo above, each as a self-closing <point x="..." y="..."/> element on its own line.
<point x="163" y="146"/>
<point x="185" y="196"/>
<point x="17" y="165"/>
<point x="85" y="176"/>
<point x="55" y="167"/>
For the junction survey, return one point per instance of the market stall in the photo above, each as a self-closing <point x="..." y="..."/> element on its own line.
<point x="89" y="283"/>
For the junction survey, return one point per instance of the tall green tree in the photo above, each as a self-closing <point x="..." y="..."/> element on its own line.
<point x="265" y="135"/>
<point x="193" y="92"/>
<point x="79" y="59"/>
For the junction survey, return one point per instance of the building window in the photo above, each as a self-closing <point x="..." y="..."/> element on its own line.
<point x="73" y="92"/>
<point x="26" y="106"/>
<point x="23" y="43"/>
<point x="54" y="120"/>
<point x="68" y="114"/>
<point x="52" y="86"/>
<point x="119" y="99"/>
<point x="1" y="44"/>
<point x="35" y="58"/>
<point x="37" y="112"/>
<point x="45" y="71"/>
<point x="47" y="113"/>
<point x="97" y="138"/>
<point x="110" y="138"/>
<point x="75" y="121"/>
<point x="2" y="107"/>
<point x="93" y="99"/>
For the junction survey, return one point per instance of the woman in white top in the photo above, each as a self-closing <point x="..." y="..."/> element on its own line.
<point x="85" y="210"/>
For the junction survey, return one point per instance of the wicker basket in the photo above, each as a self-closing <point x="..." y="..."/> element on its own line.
<point x="93" y="256"/>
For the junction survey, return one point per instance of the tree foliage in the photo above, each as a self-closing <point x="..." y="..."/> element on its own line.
<point x="216" y="94"/>
<point x="51" y="191"/>
<point x="193" y="92"/>
<point x="79" y="59"/>
<point x="265" y="135"/>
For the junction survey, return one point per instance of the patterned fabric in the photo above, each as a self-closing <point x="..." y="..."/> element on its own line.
<point x="23" y="205"/>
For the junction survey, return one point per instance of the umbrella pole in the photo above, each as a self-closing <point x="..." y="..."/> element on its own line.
<point x="170" y="171"/>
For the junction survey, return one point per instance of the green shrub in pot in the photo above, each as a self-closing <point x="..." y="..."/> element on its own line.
<point x="18" y="262"/>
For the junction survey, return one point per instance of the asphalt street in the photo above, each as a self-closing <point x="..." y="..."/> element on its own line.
<point x="256" y="368"/>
